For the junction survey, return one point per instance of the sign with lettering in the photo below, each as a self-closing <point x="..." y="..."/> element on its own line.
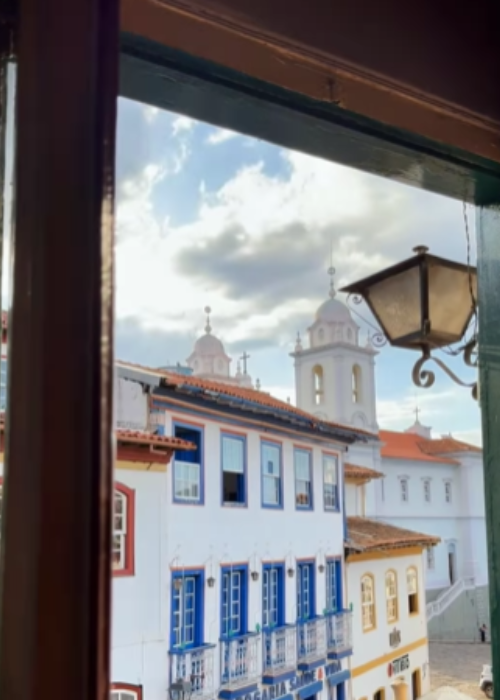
<point x="395" y="638"/>
<point x="278" y="690"/>
<point x="398" y="665"/>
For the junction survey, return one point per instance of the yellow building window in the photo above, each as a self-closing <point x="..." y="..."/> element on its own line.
<point x="391" y="596"/>
<point x="412" y="587"/>
<point x="368" y="602"/>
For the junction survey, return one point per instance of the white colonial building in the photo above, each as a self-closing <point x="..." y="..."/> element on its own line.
<point x="385" y="584"/>
<point x="229" y="561"/>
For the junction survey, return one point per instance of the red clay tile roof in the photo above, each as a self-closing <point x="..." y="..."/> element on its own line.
<point x="354" y="471"/>
<point x="408" y="446"/>
<point x="137" y="437"/>
<point x="447" y="445"/>
<point x="365" y="535"/>
<point x="209" y="389"/>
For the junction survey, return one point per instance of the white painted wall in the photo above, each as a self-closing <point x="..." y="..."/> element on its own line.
<point x="375" y="644"/>
<point x="337" y="362"/>
<point x="460" y="523"/>
<point x="212" y="534"/>
<point x="139" y="623"/>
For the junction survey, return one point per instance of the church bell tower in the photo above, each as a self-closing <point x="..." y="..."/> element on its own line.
<point x="334" y="374"/>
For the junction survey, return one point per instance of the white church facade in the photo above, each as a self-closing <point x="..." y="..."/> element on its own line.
<point x="430" y="485"/>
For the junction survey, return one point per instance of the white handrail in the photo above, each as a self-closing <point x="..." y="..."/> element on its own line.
<point x="449" y="596"/>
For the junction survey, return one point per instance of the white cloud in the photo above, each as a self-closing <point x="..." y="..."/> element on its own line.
<point x="220" y="136"/>
<point x="317" y="194"/>
<point x="182" y="124"/>
<point x="150" y="113"/>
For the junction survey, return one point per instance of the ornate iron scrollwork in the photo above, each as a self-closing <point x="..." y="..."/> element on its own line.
<point x="425" y="378"/>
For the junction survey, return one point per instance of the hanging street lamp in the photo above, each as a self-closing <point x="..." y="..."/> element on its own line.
<point x="425" y="303"/>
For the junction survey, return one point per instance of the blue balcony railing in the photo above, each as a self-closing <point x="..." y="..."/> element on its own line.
<point x="240" y="661"/>
<point x="197" y="666"/>
<point x="279" y="651"/>
<point x="311" y="641"/>
<point x="339" y="634"/>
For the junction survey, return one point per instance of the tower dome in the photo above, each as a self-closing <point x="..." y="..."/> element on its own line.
<point x="208" y="344"/>
<point x="333" y="311"/>
<point x="209" y="357"/>
<point x="333" y="322"/>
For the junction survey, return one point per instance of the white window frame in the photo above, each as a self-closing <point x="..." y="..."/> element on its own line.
<point x="327" y="459"/>
<point x="123" y="694"/>
<point x="187" y="481"/>
<point x="120" y="532"/>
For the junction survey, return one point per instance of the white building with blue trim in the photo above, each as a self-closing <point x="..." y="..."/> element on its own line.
<point x="247" y="548"/>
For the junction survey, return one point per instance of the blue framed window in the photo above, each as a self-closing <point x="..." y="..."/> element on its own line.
<point x="273" y="596"/>
<point x="272" y="486"/>
<point x="187" y="609"/>
<point x="303" y="479"/>
<point x="234" y="602"/>
<point x="330" y="483"/>
<point x="333" y="585"/>
<point x="188" y="466"/>
<point x="306" y="598"/>
<point x="3" y="384"/>
<point x="233" y="458"/>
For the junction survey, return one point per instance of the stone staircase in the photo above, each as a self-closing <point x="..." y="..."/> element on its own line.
<point x="438" y="606"/>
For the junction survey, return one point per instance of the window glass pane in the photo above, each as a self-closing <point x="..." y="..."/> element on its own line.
<point x="271" y="459"/>
<point x="233" y="455"/>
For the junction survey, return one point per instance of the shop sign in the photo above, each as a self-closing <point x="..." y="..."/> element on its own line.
<point x="398" y="665"/>
<point x="278" y="690"/>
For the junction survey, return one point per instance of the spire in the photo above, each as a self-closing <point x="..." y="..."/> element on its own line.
<point x="331" y="272"/>
<point x="298" y="343"/>
<point x="208" y="311"/>
<point x="332" y="293"/>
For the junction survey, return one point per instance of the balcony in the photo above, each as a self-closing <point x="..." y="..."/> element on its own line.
<point x="339" y="634"/>
<point x="279" y="654"/>
<point x="239" y="664"/>
<point x="196" y="666"/>
<point x="311" y="643"/>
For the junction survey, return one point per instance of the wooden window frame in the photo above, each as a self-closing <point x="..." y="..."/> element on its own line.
<point x="373" y="604"/>
<point x="70" y="99"/>
<point x="392" y="599"/>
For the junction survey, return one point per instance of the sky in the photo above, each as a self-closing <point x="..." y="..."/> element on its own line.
<point x="206" y="216"/>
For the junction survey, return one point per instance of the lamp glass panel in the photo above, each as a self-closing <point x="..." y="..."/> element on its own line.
<point x="396" y="302"/>
<point x="450" y="300"/>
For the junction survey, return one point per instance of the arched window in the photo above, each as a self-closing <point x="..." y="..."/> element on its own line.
<point x="123" y="531"/>
<point x="318" y="384"/>
<point x="125" y="691"/>
<point x="356" y="384"/>
<point x="349" y="335"/>
<point x="412" y="588"/>
<point x="321" y="335"/>
<point x="391" y="595"/>
<point x="368" y="602"/>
